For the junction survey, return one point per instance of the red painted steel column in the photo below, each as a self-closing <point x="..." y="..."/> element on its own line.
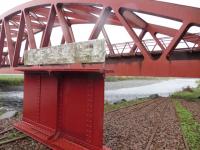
<point x="64" y="109"/>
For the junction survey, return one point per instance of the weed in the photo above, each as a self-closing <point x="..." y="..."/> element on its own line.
<point x="11" y="80"/>
<point x="191" y="94"/>
<point x="122" y="78"/>
<point x="190" y="127"/>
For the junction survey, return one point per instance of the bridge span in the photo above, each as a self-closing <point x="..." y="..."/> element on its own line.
<point x="64" y="104"/>
<point x="167" y="51"/>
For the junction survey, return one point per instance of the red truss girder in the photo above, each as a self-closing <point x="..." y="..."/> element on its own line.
<point x="23" y="22"/>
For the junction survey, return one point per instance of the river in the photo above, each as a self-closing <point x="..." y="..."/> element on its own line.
<point x="161" y="87"/>
<point x="129" y="89"/>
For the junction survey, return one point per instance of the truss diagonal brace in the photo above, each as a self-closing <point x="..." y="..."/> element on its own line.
<point x="133" y="35"/>
<point x="110" y="47"/>
<point x="31" y="38"/>
<point x="47" y="32"/>
<point x="141" y="36"/>
<point x="66" y="27"/>
<point x="180" y="33"/>
<point x="2" y="40"/>
<point x="100" y="23"/>
<point x="157" y="40"/>
<point x="134" y="19"/>
<point x="19" y="41"/>
<point x="10" y="42"/>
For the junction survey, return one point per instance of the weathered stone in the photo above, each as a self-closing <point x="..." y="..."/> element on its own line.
<point x="82" y="52"/>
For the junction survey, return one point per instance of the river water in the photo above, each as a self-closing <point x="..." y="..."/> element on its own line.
<point x="161" y="87"/>
<point x="129" y="89"/>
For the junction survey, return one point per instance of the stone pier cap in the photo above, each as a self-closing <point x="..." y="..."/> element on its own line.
<point x="88" y="52"/>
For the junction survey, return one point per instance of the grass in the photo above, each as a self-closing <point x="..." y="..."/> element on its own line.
<point x="190" y="127"/>
<point x="2" y="112"/>
<point x="110" y="107"/>
<point x="13" y="135"/>
<point x="122" y="78"/>
<point x="11" y="80"/>
<point x="191" y="94"/>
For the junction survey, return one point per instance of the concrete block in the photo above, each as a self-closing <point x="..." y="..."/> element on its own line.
<point x="81" y="52"/>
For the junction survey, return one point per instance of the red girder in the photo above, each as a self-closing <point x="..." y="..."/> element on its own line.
<point x="10" y="42"/>
<point x="18" y="42"/>
<point x="47" y="32"/>
<point x="2" y="39"/>
<point x="65" y="25"/>
<point x="31" y="38"/>
<point x="110" y="47"/>
<point x="100" y="23"/>
<point x="23" y="22"/>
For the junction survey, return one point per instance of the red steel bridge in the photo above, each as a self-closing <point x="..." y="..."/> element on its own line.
<point x="64" y="106"/>
<point x="157" y="56"/>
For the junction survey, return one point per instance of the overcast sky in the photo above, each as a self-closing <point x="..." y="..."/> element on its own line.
<point x="82" y="33"/>
<point x="8" y="4"/>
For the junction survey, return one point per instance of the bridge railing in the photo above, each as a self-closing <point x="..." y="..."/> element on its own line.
<point x="190" y="42"/>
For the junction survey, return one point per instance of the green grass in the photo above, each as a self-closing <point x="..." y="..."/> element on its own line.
<point x="11" y="80"/>
<point x="190" y="127"/>
<point x="191" y="94"/>
<point x="13" y="135"/>
<point x="122" y="78"/>
<point x="2" y="111"/>
<point x="110" y="107"/>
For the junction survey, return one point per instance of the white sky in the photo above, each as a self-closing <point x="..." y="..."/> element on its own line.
<point x="116" y="34"/>
<point x="7" y="4"/>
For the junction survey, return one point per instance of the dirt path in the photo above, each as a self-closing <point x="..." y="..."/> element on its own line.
<point x="168" y="134"/>
<point x="150" y="125"/>
<point x="153" y="126"/>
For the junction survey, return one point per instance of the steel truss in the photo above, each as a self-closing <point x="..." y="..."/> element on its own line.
<point x="164" y="58"/>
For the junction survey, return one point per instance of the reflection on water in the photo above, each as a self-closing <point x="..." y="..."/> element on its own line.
<point x="163" y="88"/>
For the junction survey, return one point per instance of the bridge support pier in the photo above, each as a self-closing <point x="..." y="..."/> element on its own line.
<point x="64" y="109"/>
